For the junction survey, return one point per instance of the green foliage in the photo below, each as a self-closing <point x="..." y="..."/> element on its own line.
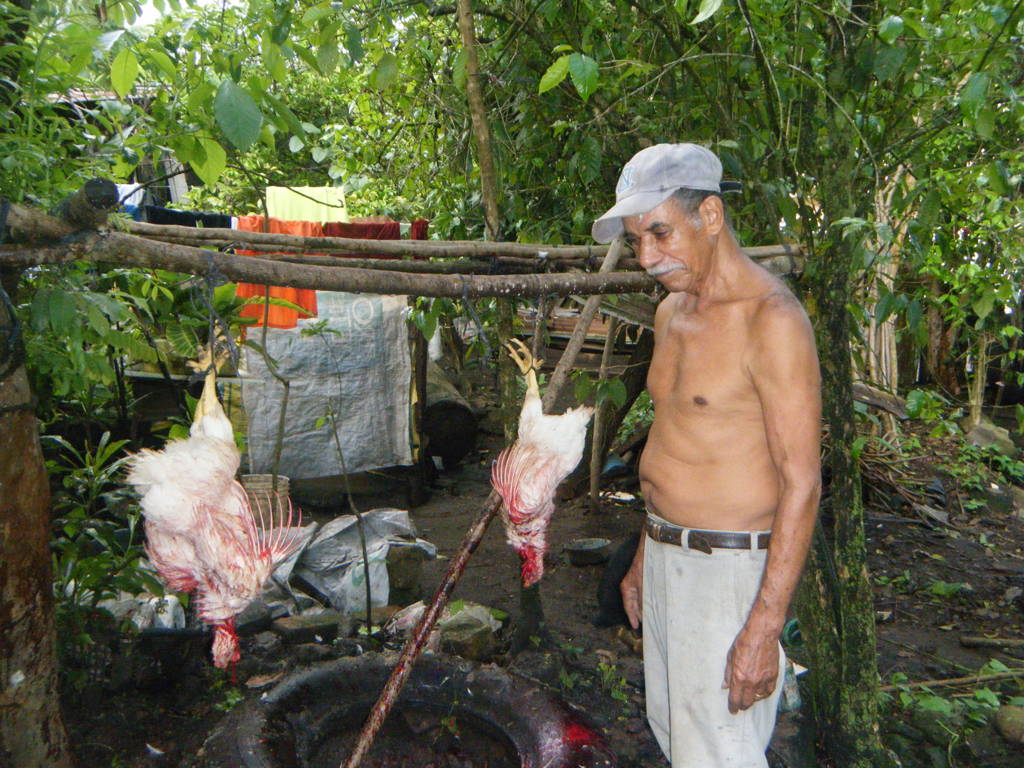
<point x="972" y="711"/>
<point x="601" y="391"/>
<point x="97" y="540"/>
<point x="935" y="410"/>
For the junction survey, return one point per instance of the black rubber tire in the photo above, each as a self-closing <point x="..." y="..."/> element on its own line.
<point x="285" y="726"/>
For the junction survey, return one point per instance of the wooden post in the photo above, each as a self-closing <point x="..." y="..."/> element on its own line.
<point x="597" y="439"/>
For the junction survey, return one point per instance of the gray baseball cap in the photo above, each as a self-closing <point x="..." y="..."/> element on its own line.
<point x="650" y="178"/>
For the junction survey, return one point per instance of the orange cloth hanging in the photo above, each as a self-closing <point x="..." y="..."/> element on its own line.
<point x="278" y="317"/>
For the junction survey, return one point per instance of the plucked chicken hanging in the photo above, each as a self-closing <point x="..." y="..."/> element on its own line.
<point x="528" y="472"/>
<point x="202" y="534"/>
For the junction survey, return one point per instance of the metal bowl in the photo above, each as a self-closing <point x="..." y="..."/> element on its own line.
<point x="588" y="551"/>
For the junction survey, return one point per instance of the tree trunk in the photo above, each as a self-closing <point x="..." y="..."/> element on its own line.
<point x="835" y="604"/>
<point x="31" y="730"/>
<point x="979" y="377"/>
<point x="481" y="127"/>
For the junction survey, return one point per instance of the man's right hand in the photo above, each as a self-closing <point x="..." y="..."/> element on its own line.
<point x="632" y="587"/>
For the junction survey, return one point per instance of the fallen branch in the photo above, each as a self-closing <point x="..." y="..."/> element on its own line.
<point x="422" y="630"/>
<point x="975" y="641"/>
<point x="952" y="682"/>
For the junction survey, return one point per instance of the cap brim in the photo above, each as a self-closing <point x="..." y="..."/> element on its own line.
<point x="609" y="226"/>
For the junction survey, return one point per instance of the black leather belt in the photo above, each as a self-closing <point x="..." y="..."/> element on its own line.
<point x="705" y="541"/>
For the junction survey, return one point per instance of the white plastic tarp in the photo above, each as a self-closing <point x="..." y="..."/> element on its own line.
<point x="332" y="563"/>
<point x="357" y="368"/>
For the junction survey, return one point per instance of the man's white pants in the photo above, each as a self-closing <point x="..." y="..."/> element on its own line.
<point x="694" y="606"/>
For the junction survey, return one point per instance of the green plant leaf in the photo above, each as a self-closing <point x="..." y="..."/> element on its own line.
<point x="316" y="13"/>
<point x="214" y="162"/>
<point x="888" y="61"/>
<point x="890" y="29"/>
<point x="985" y="122"/>
<point x="974" y="92"/>
<point x="237" y="115"/>
<point x="708" y="8"/>
<point x="354" y="43"/>
<point x="162" y="61"/>
<point x="584" y="74"/>
<point x="273" y="60"/>
<point x="385" y="73"/>
<point x="588" y="160"/>
<point x="123" y="71"/>
<point x="459" y="71"/>
<point x="555" y="74"/>
<point x="983" y="305"/>
<point x="327" y="56"/>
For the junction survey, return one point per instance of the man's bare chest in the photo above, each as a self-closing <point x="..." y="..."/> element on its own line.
<point x="701" y="367"/>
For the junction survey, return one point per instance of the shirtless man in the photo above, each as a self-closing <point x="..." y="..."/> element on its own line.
<point x="730" y="474"/>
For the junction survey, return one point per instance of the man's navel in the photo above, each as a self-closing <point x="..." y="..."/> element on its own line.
<point x="698" y="400"/>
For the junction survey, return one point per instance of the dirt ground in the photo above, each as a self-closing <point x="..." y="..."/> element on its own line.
<point x="598" y="669"/>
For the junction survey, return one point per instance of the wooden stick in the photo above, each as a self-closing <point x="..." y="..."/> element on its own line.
<point x="579" y="334"/>
<point x="975" y="641"/>
<point x="597" y="453"/>
<point x="421" y="632"/>
<point x="955" y="681"/>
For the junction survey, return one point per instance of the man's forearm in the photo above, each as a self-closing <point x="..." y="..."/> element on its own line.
<point x="787" y="552"/>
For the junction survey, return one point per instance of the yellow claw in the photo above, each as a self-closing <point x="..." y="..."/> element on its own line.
<point x="521" y="356"/>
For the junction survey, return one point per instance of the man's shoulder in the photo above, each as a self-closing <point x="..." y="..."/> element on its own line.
<point x="777" y="313"/>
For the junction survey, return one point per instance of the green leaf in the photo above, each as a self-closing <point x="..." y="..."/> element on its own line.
<point x="273" y="60"/>
<point x="987" y="696"/>
<point x="327" y="57"/>
<point x="617" y="392"/>
<point x="162" y="61"/>
<point x="61" y="312"/>
<point x="563" y="48"/>
<point x="123" y="72"/>
<point x="295" y="144"/>
<point x="890" y="29"/>
<point x="885" y="306"/>
<point x="916" y="401"/>
<point x="888" y="61"/>
<point x="459" y="71"/>
<point x="320" y="153"/>
<point x="985" y="122"/>
<point x="316" y="13"/>
<point x="183" y="340"/>
<point x="974" y="93"/>
<point x="588" y="160"/>
<point x="708" y="8"/>
<point x="555" y="74"/>
<point x="681" y="7"/>
<point x="583" y="71"/>
<point x="284" y="112"/>
<point x="132" y="346"/>
<point x="237" y="114"/>
<point x="983" y="305"/>
<point x="214" y="163"/>
<point x="385" y="72"/>
<point x="354" y="42"/>
<point x="933" y="703"/>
